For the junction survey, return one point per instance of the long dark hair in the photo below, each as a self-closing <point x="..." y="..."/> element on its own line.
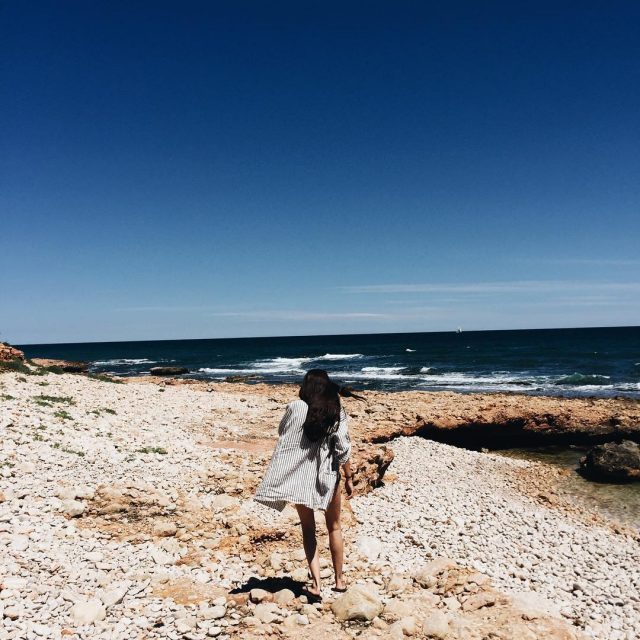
<point x="322" y="396"/>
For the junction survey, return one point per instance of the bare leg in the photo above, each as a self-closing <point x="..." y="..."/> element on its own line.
<point x="332" y="516"/>
<point x="308" y="523"/>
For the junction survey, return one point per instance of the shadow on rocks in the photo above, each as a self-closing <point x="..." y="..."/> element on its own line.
<point x="272" y="585"/>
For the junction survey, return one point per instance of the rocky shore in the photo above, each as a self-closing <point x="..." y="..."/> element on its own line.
<point x="126" y="512"/>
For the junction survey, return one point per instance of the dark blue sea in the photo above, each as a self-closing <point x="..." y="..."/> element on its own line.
<point x="570" y="362"/>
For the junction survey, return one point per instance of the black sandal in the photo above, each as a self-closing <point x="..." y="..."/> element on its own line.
<point x="339" y="590"/>
<point x="312" y="597"/>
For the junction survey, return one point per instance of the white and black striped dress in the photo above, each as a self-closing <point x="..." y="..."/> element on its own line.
<point x="300" y="470"/>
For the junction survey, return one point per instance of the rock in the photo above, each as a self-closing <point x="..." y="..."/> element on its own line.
<point x="19" y="543"/>
<point x="265" y="612"/>
<point x="88" y="612"/>
<point x="260" y="595"/>
<point x="479" y="600"/>
<point x="397" y="609"/>
<point x="62" y="366"/>
<point x="299" y="575"/>
<point x="73" y="508"/>
<point x="164" y="529"/>
<point x="398" y="583"/>
<point x="284" y="596"/>
<point x="369" y="464"/>
<point x="436" y="625"/>
<point x="41" y="630"/>
<point x="369" y="547"/>
<point x="114" y="596"/>
<point x="612" y="461"/>
<point x="247" y="378"/>
<point x="168" y="371"/>
<point x="10" y="354"/>
<point x="223" y="501"/>
<point x="358" y="603"/>
<point x="213" y="613"/>
<point x="275" y="560"/>
<point x="95" y="556"/>
<point x="12" y="612"/>
<point x="426" y="576"/>
<point x="404" y="627"/>
<point x="533" y="605"/>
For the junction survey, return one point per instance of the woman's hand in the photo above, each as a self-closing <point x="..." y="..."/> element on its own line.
<point x="348" y="487"/>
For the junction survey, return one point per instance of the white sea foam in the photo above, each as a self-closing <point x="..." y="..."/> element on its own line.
<point x="338" y="356"/>
<point x="410" y="350"/>
<point x="125" y="361"/>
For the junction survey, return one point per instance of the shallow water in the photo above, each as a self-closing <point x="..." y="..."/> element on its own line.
<point x="620" y="502"/>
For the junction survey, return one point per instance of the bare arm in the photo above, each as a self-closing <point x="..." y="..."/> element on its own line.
<point x="348" y="479"/>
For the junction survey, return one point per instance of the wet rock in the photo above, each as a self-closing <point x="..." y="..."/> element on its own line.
<point x="613" y="461"/>
<point x="168" y="371"/>
<point x="358" y="603"/>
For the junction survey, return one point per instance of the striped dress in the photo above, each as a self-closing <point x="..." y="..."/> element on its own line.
<point x="301" y="471"/>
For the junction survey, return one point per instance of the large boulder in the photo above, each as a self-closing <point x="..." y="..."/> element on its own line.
<point x="617" y="462"/>
<point x="168" y="371"/>
<point x="358" y="603"/>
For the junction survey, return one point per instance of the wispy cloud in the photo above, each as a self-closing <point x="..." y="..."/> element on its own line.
<point x="512" y="286"/>
<point x="297" y="315"/>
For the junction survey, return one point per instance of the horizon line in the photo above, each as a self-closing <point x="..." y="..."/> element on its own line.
<point x="317" y="335"/>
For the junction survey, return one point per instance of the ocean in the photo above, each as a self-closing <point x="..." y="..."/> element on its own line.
<point x="598" y="362"/>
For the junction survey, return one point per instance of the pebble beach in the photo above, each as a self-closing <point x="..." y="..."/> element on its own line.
<point x="126" y="511"/>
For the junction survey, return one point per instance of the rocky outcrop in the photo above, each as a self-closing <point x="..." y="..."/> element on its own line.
<point x="475" y="420"/>
<point x="9" y="353"/>
<point x="613" y="462"/>
<point x="62" y="366"/>
<point x="369" y="464"/>
<point x="168" y="371"/>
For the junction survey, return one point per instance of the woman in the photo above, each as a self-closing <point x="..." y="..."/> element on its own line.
<point x="313" y="444"/>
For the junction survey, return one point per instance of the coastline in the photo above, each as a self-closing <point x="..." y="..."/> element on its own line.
<point x="145" y="488"/>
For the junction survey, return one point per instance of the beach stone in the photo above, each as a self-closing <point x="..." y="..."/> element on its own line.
<point x="260" y="595"/>
<point x="73" y="508"/>
<point x="114" y="596"/>
<point x="265" y="612"/>
<point x="436" y="625"/>
<point x="359" y="603"/>
<point x="405" y="627"/>
<point x="213" y="613"/>
<point x="88" y="612"/>
<point x="299" y="575"/>
<point x="369" y="547"/>
<point x="19" y="543"/>
<point x="164" y="529"/>
<point x="398" y="583"/>
<point x="426" y="576"/>
<point x="275" y="560"/>
<point x="479" y="600"/>
<point x="397" y="609"/>
<point x="284" y="596"/>
<point x="533" y="605"/>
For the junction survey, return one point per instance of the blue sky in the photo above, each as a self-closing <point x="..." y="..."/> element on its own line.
<point x="187" y="170"/>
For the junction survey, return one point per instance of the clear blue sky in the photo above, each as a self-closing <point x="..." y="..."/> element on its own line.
<point x="185" y="170"/>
